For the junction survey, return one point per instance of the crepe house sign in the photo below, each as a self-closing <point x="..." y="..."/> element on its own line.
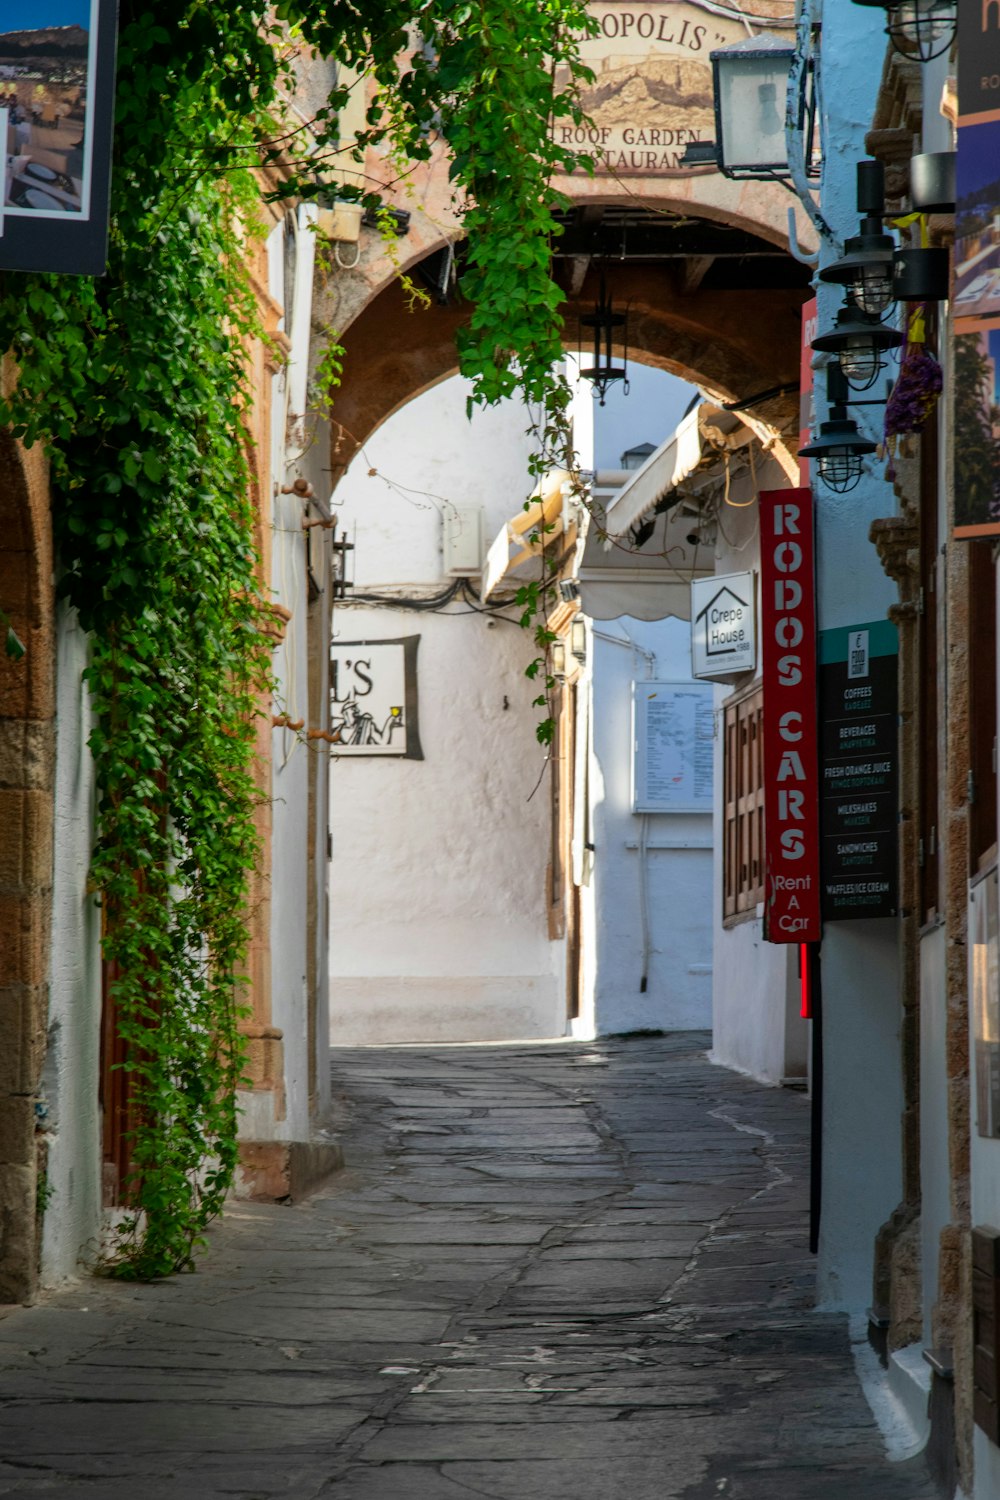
<point x="373" y="698"/>
<point x="652" y="91"/>
<point x="723" y="640"/>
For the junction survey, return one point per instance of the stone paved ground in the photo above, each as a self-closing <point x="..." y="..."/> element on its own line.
<point x="570" y="1272"/>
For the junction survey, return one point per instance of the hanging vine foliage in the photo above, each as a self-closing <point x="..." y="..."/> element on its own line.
<point x="136" y="383"/>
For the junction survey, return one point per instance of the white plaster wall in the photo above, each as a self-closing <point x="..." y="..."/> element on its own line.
<point x="291" y="752"/>
<point x="438" y="912"/>
<point x="935" y="1174"/>
<point x="678" y="995"/>
<point x="862" y="1106"/>
<point x="289" y="785"/>
<point x="71" y="1077"/>
<point x="290" y="829"/>
<point x="756" y="1025"/>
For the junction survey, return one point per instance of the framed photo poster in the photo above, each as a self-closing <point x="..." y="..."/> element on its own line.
<point x="976" y="304"/>
<point x="57" y="84"/>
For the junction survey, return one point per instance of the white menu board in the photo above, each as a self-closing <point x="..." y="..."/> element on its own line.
<point x="673" y="746"/>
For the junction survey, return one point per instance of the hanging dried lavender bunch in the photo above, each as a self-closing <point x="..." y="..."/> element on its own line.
<point x="916" y="390"/>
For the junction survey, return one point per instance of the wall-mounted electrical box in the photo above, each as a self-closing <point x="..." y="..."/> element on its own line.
<point x="463" y="540"/>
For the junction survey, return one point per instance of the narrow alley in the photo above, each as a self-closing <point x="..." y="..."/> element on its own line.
<point x="575" y="1271"/>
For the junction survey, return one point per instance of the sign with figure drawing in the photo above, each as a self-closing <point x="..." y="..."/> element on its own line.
<point x="373" y="698"/>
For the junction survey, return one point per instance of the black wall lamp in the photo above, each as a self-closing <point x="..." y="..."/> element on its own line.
<point x="865" y="269"/>
<point x="919" y="29"/>
<point x="921" y="273"/>
<point x="932" y="182"/>
<point x="750" y="81"/>
<point x="605" y="323"/>
<point x="859" y="340"/>
<point x="838" y="447"/>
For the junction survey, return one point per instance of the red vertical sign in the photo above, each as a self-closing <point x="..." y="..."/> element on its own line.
<point x="791" y="776"/>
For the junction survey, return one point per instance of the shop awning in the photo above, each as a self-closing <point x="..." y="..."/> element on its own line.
<point x="699" y="440"/>
<point x="662" y="472"/>
<point x="535" y="529"/>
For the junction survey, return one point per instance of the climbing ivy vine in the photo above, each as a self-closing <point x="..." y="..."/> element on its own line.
<point x="137" y="385"/>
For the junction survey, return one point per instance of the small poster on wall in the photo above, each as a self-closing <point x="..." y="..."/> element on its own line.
<point x="57" y="77"/>
<point x="977" y="274"/>
<point x="977" y="430"/>
<point x="673" y="747"/>
<point x="984" y="932"/>
<point x="373" y="698"/>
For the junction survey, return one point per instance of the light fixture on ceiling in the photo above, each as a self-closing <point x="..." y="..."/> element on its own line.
<point x="606" y="324"/>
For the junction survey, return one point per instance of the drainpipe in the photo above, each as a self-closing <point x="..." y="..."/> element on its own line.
<point x="809" y="17"/>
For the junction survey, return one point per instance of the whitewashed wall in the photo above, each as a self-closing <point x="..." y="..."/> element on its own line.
<point x="756" y="1025"/>
<point x="70" y="1082"/>
<point x="437" y="903"/>
<point x="291" y="753"/>
<point x="678" y="994"/>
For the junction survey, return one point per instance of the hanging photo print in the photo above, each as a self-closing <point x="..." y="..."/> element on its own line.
<point x="57" y="61"/>
<point x="977" y="274"/>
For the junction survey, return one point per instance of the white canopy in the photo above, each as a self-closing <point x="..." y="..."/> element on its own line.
<point x="662" y="472"/>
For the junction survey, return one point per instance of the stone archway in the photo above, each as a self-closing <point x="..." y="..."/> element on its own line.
<point x="737" y="334"/>
<point x="27" y="768"/>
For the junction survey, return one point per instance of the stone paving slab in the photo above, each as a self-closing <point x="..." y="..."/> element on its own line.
<point x="569" y="1271"/>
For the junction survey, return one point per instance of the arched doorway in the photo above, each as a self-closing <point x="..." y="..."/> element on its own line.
<point x="716" y="303"/>
<point x="27" y="768"/>
<point x="713" y="296"/>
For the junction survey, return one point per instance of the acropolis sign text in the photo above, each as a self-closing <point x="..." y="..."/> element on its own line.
<point x="652" y="90"/>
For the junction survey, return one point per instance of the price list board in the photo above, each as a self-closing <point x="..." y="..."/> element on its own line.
<point x="673" y="747"/>
<point x="859" y="772"/>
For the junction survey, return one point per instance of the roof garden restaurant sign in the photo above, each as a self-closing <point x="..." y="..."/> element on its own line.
<point x="652" y="91"/>
<point x="723" y="638"/>
<point x="57" y="73"/>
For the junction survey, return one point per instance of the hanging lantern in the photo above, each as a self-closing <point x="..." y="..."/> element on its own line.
<point x="750" y="81"/>
<point x="859" y="340"/>
<point x="865" y="269"/>
<point x="605" y="323"/>
<point x="919" y="29"/>
<point x="838" y="447"/>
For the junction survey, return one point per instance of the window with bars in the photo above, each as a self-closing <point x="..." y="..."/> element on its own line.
<point x="743" y="783"/>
